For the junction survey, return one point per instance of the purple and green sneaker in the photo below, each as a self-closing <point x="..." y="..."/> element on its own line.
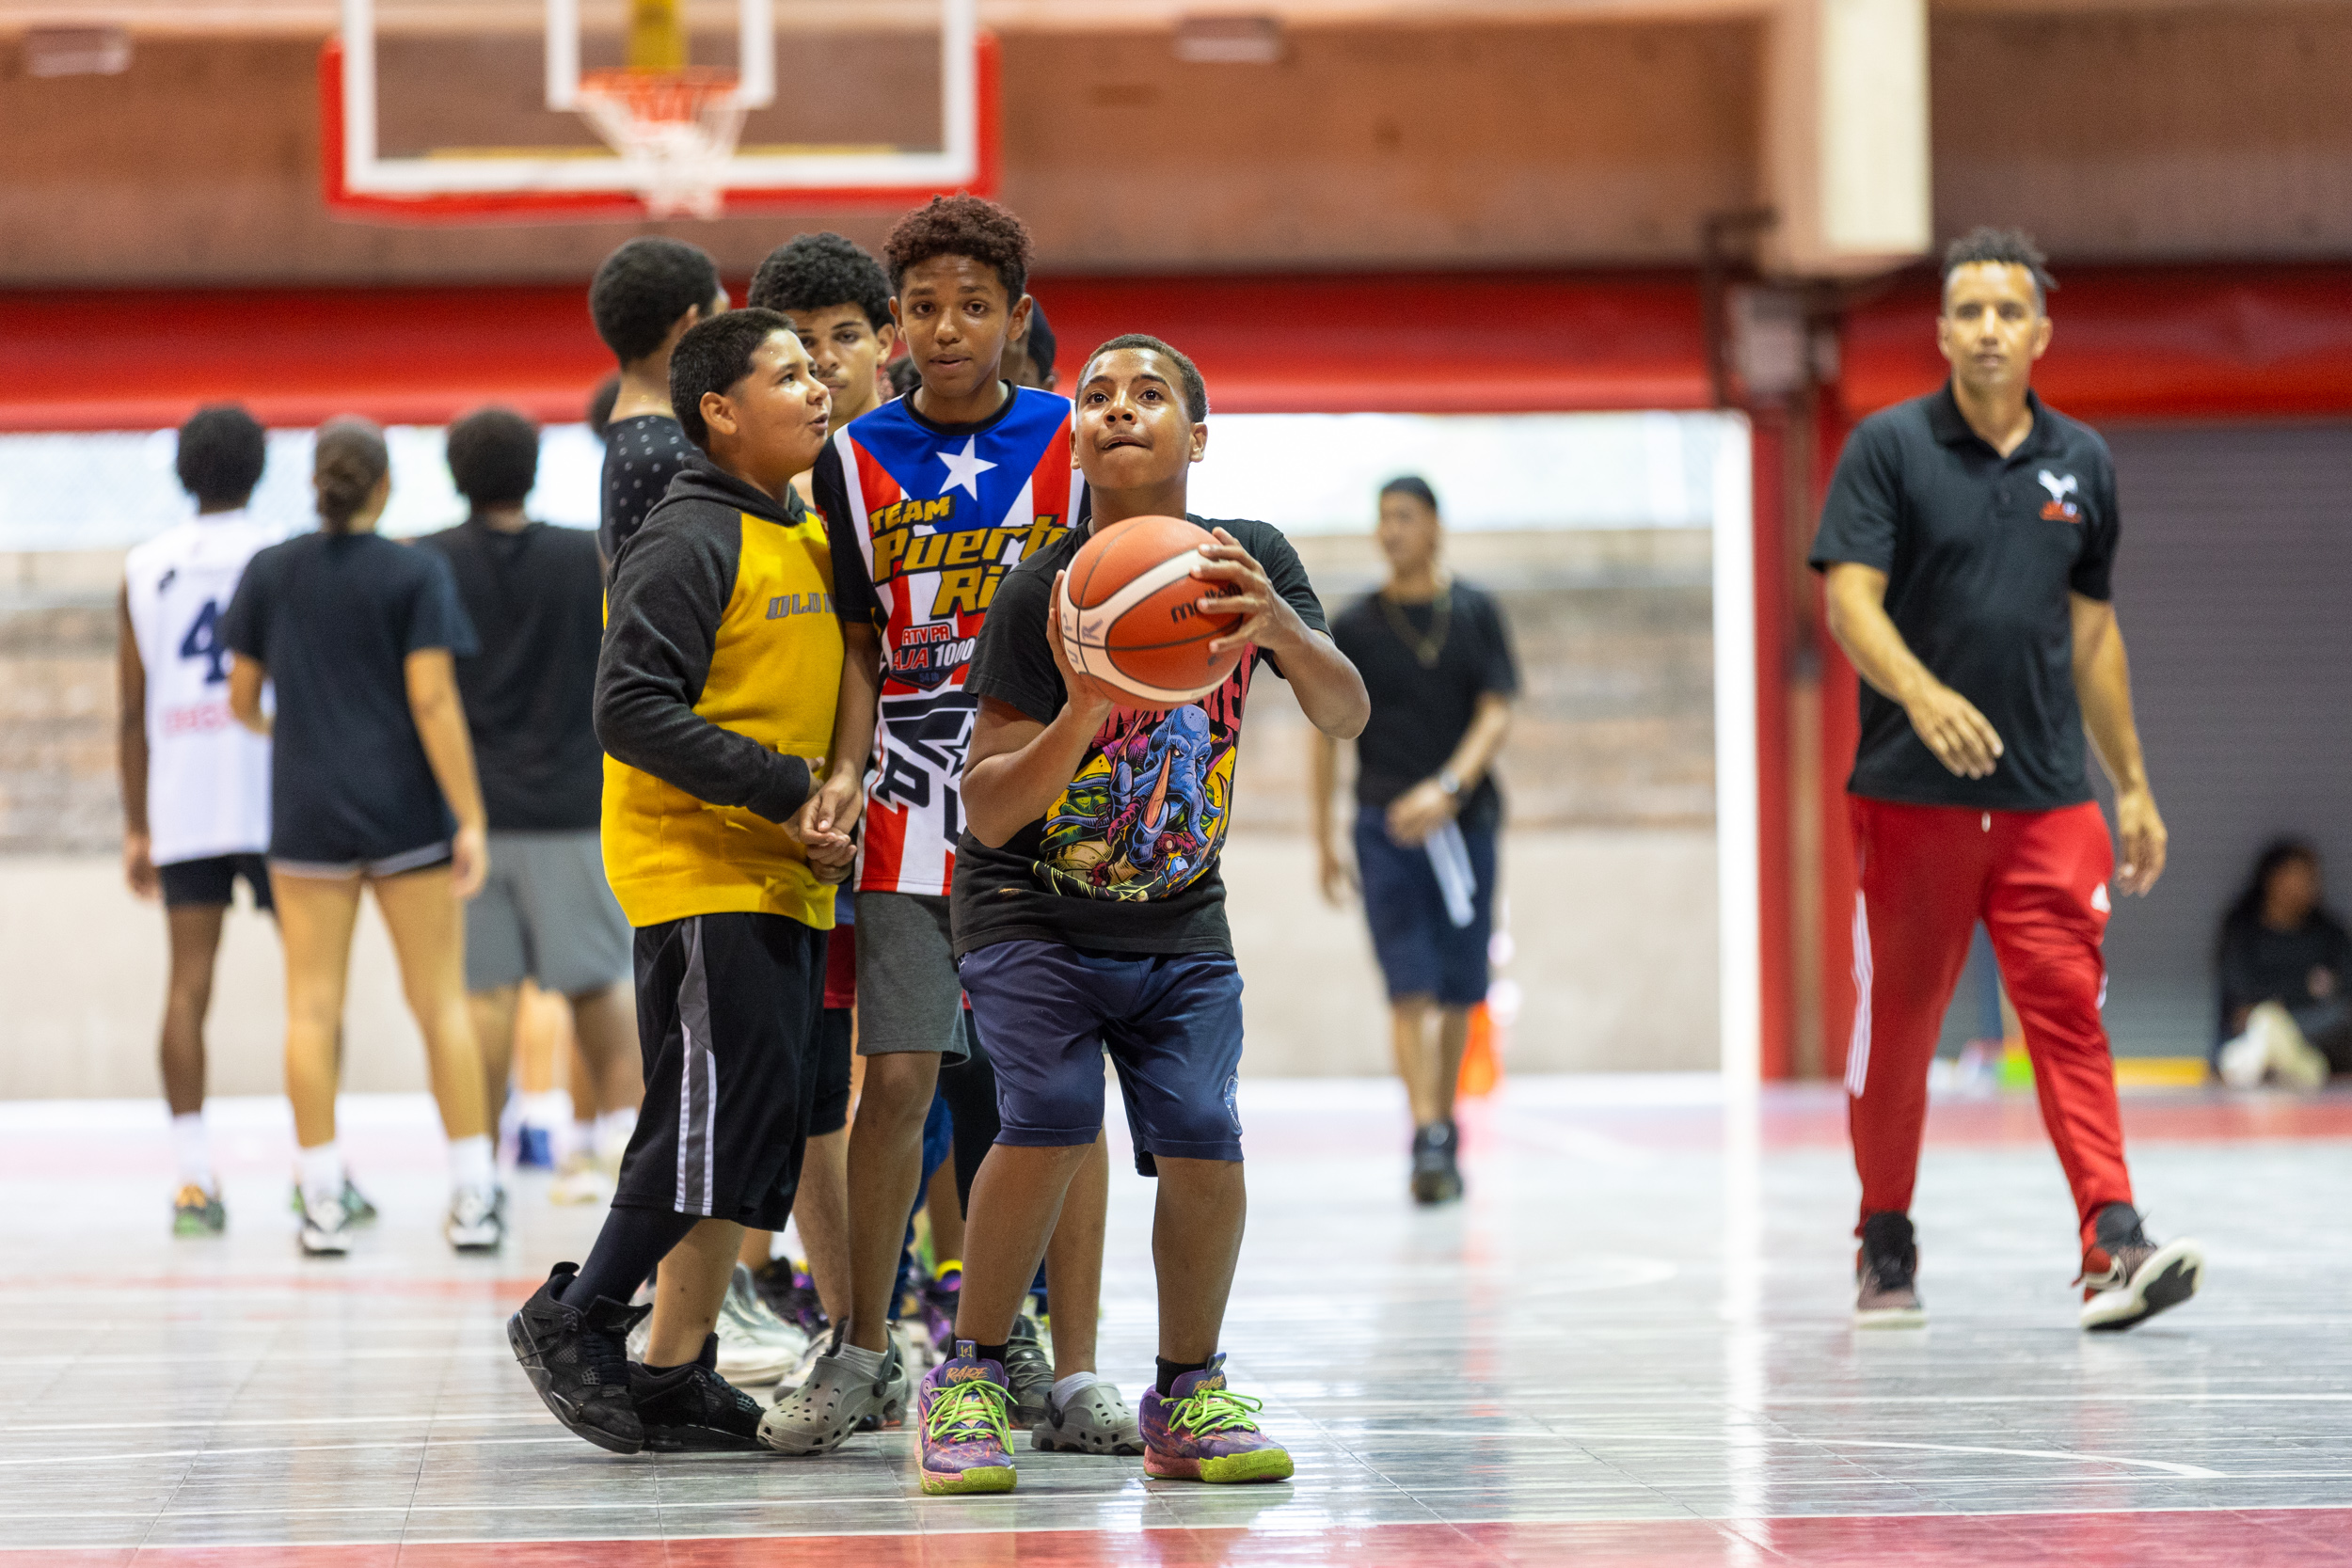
<point x="966" y="1444"/>
<point x="1204" y="1431"/>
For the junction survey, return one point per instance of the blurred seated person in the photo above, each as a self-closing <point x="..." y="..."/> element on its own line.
<point x="2284" y="959"/>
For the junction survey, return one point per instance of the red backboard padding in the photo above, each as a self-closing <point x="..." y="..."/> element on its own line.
<point x="113" y="359"/>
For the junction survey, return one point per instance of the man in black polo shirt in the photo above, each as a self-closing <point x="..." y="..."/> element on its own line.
<point x="1967" y="543"/>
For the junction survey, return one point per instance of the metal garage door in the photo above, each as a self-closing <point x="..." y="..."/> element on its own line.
<point x="2234" y="587"/>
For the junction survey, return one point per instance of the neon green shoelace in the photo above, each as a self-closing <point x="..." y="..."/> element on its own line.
<point x="1206" y="1412"/>
<point x="970" y="1412"/>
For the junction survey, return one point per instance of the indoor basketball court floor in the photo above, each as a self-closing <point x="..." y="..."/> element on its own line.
<point x="1629" y="1347"/>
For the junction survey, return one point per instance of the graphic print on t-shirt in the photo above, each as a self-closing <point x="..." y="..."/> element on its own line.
<point x="1147" y="812"/>
<point x="946" y="516"/>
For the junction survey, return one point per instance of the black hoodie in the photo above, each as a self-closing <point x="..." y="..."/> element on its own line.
<point x="721" y="665"/>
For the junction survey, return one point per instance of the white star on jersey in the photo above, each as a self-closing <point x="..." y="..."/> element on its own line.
<point x="966" y="468"/>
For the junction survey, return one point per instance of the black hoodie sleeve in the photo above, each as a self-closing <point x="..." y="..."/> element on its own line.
<point x="670" y="588"/>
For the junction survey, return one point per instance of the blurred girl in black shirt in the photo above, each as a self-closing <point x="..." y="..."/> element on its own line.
<point x="2283" y="960"/>
<point x="371" y="784"/>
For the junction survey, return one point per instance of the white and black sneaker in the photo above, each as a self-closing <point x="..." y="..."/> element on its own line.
<point x="1887" y="1293"/>
<point x="2127" y="1278"/>
<point x="326" y="1227"/>
<point x="476" y="1221"/>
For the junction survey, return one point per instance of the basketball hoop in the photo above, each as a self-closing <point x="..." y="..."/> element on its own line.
<point x="674" y="130"/>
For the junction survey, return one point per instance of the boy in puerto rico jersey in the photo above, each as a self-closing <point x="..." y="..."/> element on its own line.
<point x="932" y="499"/>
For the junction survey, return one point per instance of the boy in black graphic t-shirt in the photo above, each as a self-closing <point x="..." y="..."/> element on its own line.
<point x="1090" y="915"/>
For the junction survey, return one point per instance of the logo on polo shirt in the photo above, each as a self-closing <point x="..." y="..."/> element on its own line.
<point x="2059" y="509"/>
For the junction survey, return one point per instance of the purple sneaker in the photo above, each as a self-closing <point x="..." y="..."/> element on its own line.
<point x="1204" y="1431"/>
<point x="966" y="1445"/>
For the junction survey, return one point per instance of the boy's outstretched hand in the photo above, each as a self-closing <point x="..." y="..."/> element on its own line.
<point x="1267" y="618"/>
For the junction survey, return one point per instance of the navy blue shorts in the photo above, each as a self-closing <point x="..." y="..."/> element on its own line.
<point x="1422" y="952"/>
<point x="1171" y="1022"/>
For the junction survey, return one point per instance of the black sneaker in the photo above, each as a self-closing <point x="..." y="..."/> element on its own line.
<point x="692" y="1409"/>
<point x="2127" y="1278"/>
<point x="793" y="1296"/>
<point x="1436" y="1177"/>
<point x="1885" y="1293"/>
<point x="579" y="1361"/>
<point x="1028" y="1371"/>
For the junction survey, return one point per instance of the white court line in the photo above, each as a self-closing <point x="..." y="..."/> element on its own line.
<point x="2197" y="1471"/>
<point x="452" y="1419"/>
<point x="296" y="1447"/>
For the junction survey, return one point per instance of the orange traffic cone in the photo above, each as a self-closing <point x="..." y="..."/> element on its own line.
<point x="1482" y="1070"/>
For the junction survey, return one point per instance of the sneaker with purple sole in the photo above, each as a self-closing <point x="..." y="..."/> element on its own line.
<point x="966" y="1445"/>
<point x="1206" y="1432"/>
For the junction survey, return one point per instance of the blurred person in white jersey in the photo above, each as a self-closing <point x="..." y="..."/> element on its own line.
<point x="195" y="782"/>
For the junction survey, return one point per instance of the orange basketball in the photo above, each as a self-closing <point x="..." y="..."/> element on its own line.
<point x="1131" y="618"/>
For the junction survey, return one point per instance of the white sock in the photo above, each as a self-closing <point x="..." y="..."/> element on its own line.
<point x="549" y="1109"/>
<point x="613" y="1129"/>
<point x="471" y="1164"/>
<point x="1068" y="1389"/>
<point x="323" y="1174"/>
<point x="194" y="1153"/>
<point x="865" y="1363"/>
<point x="573" y="1138"/>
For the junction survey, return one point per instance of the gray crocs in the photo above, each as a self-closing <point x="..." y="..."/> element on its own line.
<point x="816" y="1417"/>
<point x="1096" y="1420"/>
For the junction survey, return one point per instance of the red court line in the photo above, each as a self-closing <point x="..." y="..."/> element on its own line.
<point x="2243" y="1538"/>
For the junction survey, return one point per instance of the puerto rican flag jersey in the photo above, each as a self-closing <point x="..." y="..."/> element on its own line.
<point x="925" y="519"/>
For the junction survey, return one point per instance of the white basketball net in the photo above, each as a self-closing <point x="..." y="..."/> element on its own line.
<point x="674" y="130"/>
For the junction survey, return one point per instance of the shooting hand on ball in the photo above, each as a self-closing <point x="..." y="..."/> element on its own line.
<point x="1267" y="618"/>
<point x="1093" y="700"/>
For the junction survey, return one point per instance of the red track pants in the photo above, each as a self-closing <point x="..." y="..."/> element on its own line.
<point x="2039" y="882"/>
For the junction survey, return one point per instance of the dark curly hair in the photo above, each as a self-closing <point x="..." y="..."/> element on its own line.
<point x="904" y="376"/>
<point x="712" y="356"/>
<point x="494" y="456"/>
<point x="1195" y="390"/>
<point x="961" y="226"/>
<point x="347" y="463"/>
<point x="817" y="271"/>
<point x="643" y="288"/>
<point x="2010" y="248"/>
<point x="222" y="452"/>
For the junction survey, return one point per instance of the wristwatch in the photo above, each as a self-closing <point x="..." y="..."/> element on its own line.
<point x="1450" y="783"/>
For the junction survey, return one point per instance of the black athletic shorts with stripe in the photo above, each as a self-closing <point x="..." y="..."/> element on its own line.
<point x="729" y="1017"/>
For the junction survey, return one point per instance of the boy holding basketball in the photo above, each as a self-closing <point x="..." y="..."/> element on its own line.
<point x="1090" y="914"/>
<point x="932" y="499"/>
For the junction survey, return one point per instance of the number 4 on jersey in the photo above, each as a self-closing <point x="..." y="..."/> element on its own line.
<point x="203" y="642"/>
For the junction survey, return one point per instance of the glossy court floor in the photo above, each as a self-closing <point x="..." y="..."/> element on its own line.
<point x="1629" y="1347"/>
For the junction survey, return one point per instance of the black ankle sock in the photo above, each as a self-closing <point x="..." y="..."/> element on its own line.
<point x="989" y="1352"/>
<point x="1171" y="1371"/>
<point x="626" y="1249"/>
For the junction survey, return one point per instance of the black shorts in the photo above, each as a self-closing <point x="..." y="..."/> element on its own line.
<point x="729" y="1017"/>
<point x="832" y="1111"/>
<point x="210" y="882"/>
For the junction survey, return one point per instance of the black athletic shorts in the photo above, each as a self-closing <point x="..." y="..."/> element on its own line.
<point x="729" y="1015"/>
<point x="212" y="882"/>
<point x="832" y="1111"/>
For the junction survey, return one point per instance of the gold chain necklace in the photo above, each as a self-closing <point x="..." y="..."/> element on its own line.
<point x="1426" y="646"/>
